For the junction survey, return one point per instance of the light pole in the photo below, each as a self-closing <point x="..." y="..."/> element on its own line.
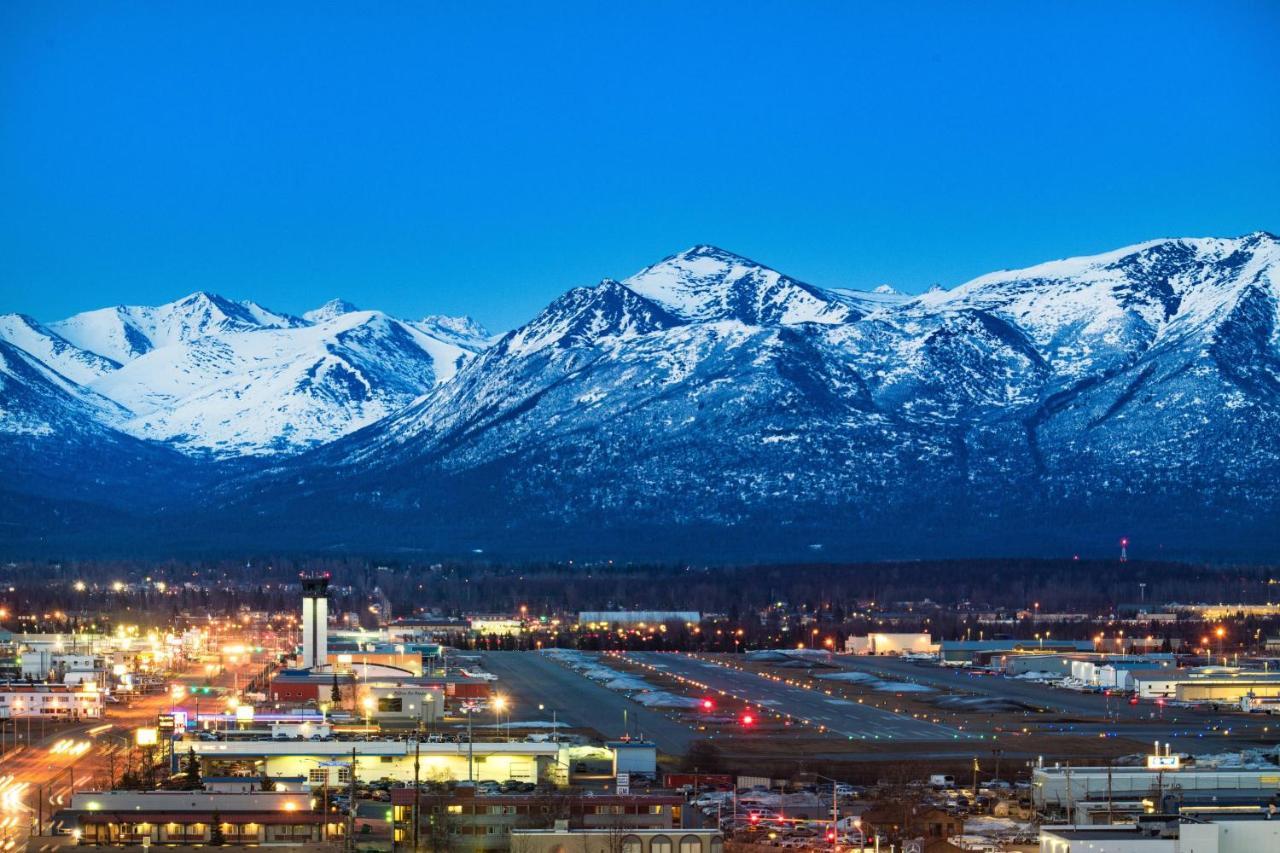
<point x="1221" y="632"/>
<point x="499" y="704"/>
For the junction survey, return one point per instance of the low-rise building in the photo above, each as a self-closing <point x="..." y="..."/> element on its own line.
<point x="114" y="818"/>
<point x="486" y="822"/>
<point x="890" y="644"/>
<point x="562" y="839"/>
<point x="1240" y="833"/>
<point x="50" y="701"/>
<point x="1165" y="785"/>
<point x="329" y="762"/>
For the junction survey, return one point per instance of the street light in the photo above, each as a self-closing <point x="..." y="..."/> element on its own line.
<point x="1221" y="632"/>
<point x="499" y="705"/>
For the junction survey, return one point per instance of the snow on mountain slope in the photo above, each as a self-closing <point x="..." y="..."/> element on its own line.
<point x="462" y="331"/>
<point x="706" y="283"/>
<point x="329" y="310"/>
<point x="1097" y="313"/>
<point x="279" y="389"/>
<point x="126" y="332"/>
<point x="1143" y="384"/>
<point x="38" y="401"/>
<point x="54" y="351"/>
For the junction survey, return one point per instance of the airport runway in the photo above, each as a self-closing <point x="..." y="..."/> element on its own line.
<point x="1188" y="729"/>
<point x="841" y="717"/>
<point x="529" y="679"/>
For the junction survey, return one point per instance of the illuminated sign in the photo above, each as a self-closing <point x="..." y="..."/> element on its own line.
<point x="1163" y="762"/>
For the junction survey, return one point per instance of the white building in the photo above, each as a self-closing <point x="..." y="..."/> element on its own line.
<point x="49" y="701"/>
<point x="891" y="644"/>
<point x="1241" y="833"/>
<point x="330" y="761"/>
<point x="611" y="618"/>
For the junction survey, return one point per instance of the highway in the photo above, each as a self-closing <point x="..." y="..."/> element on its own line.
<point x="840" y="717"/>
<point x="529" y="679"/>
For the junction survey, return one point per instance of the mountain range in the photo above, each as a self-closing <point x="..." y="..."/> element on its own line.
<point x="707" y="407"/>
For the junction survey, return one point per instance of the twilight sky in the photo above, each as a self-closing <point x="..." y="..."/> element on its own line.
<point x="483" y="158"/>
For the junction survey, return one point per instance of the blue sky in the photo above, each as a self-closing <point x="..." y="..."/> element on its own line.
<point x="483" y="158"/>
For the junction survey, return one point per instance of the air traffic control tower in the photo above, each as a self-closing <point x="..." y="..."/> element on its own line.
<point x="315" y="621"/>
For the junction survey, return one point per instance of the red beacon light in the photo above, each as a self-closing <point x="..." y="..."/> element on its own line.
<point x="748" y="719"/>
<point x="707" y="704"/>
<point x="754" y="817"/>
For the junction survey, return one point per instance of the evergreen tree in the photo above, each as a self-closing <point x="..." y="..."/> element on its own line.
<point x="191" y="768"/>
<point x="216" y="836"/>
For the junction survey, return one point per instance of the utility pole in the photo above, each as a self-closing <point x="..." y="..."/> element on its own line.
<point x="351" y="804"/>
<point x="471" y="746"/>
<point x="417" y="789"/>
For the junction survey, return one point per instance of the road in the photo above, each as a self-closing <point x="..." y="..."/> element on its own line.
<point x="529" y="679"/>
<point x="38" y="777"/>
<point x="840" y="717"/>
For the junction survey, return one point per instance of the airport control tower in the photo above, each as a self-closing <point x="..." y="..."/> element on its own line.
<point x="315" y="621"/>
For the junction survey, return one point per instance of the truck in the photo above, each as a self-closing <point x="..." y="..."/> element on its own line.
<point x="942" y="780"/>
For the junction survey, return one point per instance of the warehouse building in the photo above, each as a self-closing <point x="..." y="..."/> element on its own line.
<point x="890" y="644"/>
<point x="1241" y="833"/>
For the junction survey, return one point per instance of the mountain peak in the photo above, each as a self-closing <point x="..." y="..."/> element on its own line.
<point x="333" y="308"/>
<point x="887" y="290"/>
<point x="707" y="284"/>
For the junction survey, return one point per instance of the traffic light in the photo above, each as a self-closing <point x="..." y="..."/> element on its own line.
<point x="831" y="836"/>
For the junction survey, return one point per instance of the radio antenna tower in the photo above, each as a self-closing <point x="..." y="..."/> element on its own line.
<point x="1124" y="550"/>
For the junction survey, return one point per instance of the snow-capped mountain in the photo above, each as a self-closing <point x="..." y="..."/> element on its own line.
<point x="53" y="350"/>
<point x="126" y="332"/>
<point x="709" y="393"/>
<point x="208" y="375"/>
<point x="711" y="406"/>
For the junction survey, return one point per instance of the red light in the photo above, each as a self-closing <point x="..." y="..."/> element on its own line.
<point x="748" y="720"/>
<point x="707" y="704"/>
<point x="831" y="836"/>
<point x="754" y="817"/>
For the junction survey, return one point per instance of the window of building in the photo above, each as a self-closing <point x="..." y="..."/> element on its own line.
<point x="390" y="704"/>
<point x="457" y="809"/>
<point x="318" y="776"/>
<point x="611" y="810"/>
<point x="344" y="774"/>
<point x="660" y="844"/>
<point x="655" y="809"/>
<point x="632" y="844"/>
<point x="717" y="844"/>
<point x="691" y="844"/>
